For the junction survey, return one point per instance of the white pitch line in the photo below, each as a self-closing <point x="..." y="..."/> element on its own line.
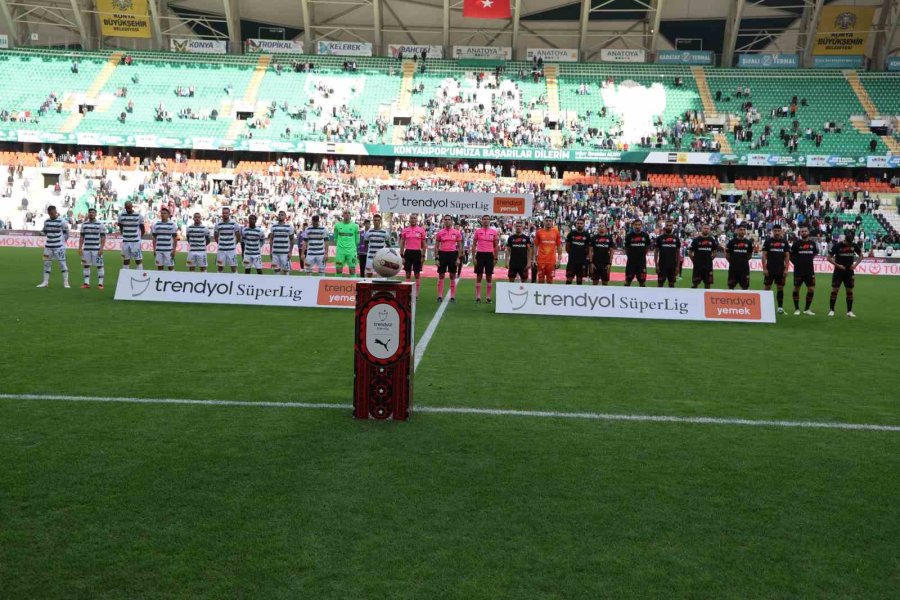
<point x="429" y="331"/>
<point x="478" y="411"/>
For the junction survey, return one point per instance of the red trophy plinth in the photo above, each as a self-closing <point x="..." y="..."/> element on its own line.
<point x="383" y="373"/>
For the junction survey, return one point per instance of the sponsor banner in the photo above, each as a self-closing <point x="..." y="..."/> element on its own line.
<point x="455" y="203"/>
<point x="198" y="46"/>
<point x="838" y="62"/>
<point x="203" y="143"/>
<point x="124" y="18"/>
<point x="28" y="135"/>
<point x="4" y="41"/>
<point x="483" y="52"/>
<point x="769" y="61"/>
<point x="328" y="48"/>
<point x="891" y="64"/>
<point x="684" y="158"/>
<point x="635" y="303"/>
<point x="623" y="55"/>
<point x="259" y="46"/>
<point x="685" y="57"/>
<point x="552" y="54"/>
<point x="408" y="50"/>
<point x="774" y="160"/>
<point x="233" y="288"/>
<point x="843" y="29"/>
<point x="883" y="162"/>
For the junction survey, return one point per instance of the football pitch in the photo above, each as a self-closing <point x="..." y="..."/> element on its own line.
<point x="268" y="497"/>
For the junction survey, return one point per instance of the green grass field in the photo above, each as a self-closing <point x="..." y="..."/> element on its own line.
<point x="114" y="500"/>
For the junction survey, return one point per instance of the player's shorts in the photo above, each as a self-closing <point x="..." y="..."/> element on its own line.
<point x="196" y="259"/>
<point x="412" y="261"/>
<point x="845" y="277"/>
<point x="164" y="259"/>
<point x="702" y="275"/>
<point x="281" y="262"/>
<point x="132" y="250"/>
<point x="91" y="258"/>
<point x="520" y="271"/>
<point x="633" y="272"/>
<point x="546" y="270"/>
<point x="315" y="261"/>
<point x="345" y="258"/>
<point x="447" y="260"/>
<point x="807" y="279"/>
<point x="739" y="276"/>
<point x="667" y="273"/>
<point x="484" y="263"/>
<point x="600" y="273"/>
<point x="774" y="278"/>
<point x="57" y="254"/>
<point x="252" y="261"/>
<point x="226" y="258"/>
<point x="576" y="269"/>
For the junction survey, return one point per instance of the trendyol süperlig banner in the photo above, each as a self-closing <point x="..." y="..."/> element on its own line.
<point x="635" y="303"/>
<point x="455" y="203"/>
<point x="234" y="288"/>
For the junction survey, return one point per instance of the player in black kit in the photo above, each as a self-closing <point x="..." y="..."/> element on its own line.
<point x="703" y="250"/>
<point x="845" y="256"/>
<point x="603" y="248"/>
<point x="577" y="245"/>
<point x="667" y="255"/>
<point x="519" y="254"/>
<point x="637" y="243"/>
<point x="738" y="251"/>
<point x="775" y="256"/>
<point x="803" y="252"/>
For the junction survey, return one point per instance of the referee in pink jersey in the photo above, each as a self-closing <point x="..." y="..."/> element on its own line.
<point x="448" y="248"/>
<point x="487" y="246"/>
<point x="412" y="248"/>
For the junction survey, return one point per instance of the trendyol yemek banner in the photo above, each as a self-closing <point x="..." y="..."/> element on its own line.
<point x="483" y="52"/>
<point x="408" y="50"/>
<point x="325" y="47"/>
<point x="455" y="203"/>
<point x="233" y="288"/>
<point x="552" y="54"/>
<point x="765" y="60"/>
<point x="636" y="303"/>
<point x="197" y="46"/>
<point x="258" y="46"/>
<point x="623" y="55"/>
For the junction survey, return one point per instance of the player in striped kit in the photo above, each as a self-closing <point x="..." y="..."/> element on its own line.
<point x="376" y="239"/>
<point x="281" y="240"/>
<point x="90" y="247"/>
<point x="165" y="241"/>
<point x="131" y="225"/>
<point x="56" y="231"/>
<point x="252" y="238"/>
<point x="198" y="239"/>
<point x="315" y="247"/>
<point x="228" y="235"/>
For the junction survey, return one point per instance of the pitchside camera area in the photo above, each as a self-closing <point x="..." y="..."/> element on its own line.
<point x="166" y="450"/>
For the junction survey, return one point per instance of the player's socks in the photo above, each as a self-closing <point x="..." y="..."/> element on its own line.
<point x="87" y="275"/>
<point x="65" y="274"/>
<point x="452" y="289"/>
<point x="849" y="302"/>
<point x="809" y="299"/>
<point x="101" y="273"/>
<point x="478" y="291"/>
<point x="440" y="288"/>
<point x="796" y="297"/>
<point x="833" y="301"/>
<point x="418" y="286"/>
<point x="490" y="288"/>
<point x="779" y="295"/>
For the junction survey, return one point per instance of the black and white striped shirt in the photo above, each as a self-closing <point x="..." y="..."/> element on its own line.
<point x="92" y="232"/>
<point x="131" y="226"/>
<point x="315" y="241"/>
<point x="57" y="232"/>
<point x="377" y="239"/>
<point x="227" y="231"/>
<point x="198" y="237"/>
<point x="281" y="238"/>
<point x="252" y="238"/>
<point x="164" y="232"/>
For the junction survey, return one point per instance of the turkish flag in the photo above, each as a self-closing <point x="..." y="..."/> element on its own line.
<point x="486" y="9"/>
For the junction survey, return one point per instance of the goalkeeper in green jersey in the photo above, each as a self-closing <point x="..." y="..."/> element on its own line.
<point x="346" y="239"/>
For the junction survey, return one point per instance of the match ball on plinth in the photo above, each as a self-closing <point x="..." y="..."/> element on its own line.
<point x="387" y="262"/>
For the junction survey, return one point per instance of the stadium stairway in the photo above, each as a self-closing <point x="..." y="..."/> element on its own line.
<point x="252" y="91"/>
<point x="408" y="68"/>
<point x="551" y="80"/>
<point x="709" y="107"/>
<point x="872" y="111"/>
<point x="96" y="86"/>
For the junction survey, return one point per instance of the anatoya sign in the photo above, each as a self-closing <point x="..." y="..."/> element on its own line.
<point x="636" y="303"/>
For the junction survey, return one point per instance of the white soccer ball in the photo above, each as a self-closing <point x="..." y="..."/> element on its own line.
<point x="387" y="262"/>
